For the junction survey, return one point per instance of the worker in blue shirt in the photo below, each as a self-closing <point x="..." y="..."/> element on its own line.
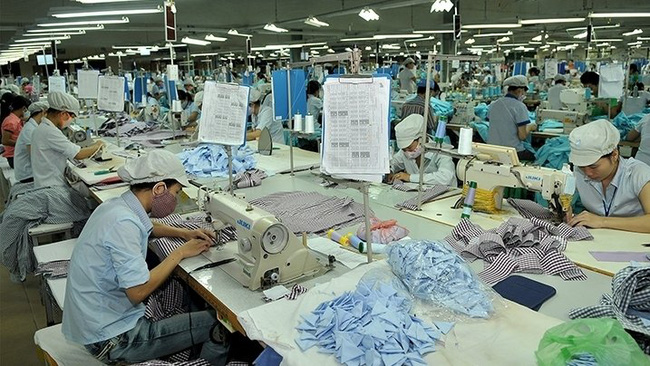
<point x="108" y="278"/>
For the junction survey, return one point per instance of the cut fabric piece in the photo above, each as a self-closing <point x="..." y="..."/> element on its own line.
<point x="427" y="195"/>
<point x="53" y="269"/>
<point x="518" y="245"/>
<point x="311" y="212"/>
<point x="209" y="160"/>
<point x="249" y="178"/>
<point x="401" y="186"/>
<point x="198" y="362"/>
<point x="528" y="209"/>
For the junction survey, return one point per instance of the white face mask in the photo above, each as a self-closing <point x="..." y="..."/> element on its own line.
<point x="413" y="154"/>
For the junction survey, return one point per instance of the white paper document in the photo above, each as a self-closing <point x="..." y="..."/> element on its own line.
<point x="56" y="84"/>
<point x="223" y="114"/>
<point x="110" y="94"/>
<point x="172" y="72"/>
<point x="612" y="80"/>
<point x="328" y="247"/>
<point x="355" y="127"/>
<point x="88" y="83"/>
<point x="550" y="68"/>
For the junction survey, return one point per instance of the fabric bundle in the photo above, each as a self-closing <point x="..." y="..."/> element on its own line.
<point x="130" y="129"/>
<point x="625" y="123"/>
<point x="550" y="124"/>
<point x="53" y="269"/>
<point x="518" y="245"/>
<point x="383" y="232"/>
<point x="212" y="161"/>
<point x="249" y="178"/>
<point x="427" y="195"/>
<point x="554" y="153"/>
<point x="442" y="108"/>
<point x="529" y="209"/>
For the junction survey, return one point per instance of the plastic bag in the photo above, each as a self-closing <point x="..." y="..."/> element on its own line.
<point x="603" y="338"/>
<point x="383" y="232"/>
<point x="376" y="279"/>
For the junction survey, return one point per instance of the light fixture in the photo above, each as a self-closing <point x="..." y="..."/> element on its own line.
<point x="103" y="1"/>
<point x="214" y="38"/>
<point x="368" y="14"/>
<point x="440" y="31"/>
<point x="503" y="39"/>
<point x="329" y="50"/>
<point x="413" y="44"/>
<point x="199" y="42"/>
<point x="204" y="54"/>
<point x="53" y="34"/>
<point x="383" y="36"/>
<point x="610" y="40"/>
<point x="274" y="28"/>
<point x="633" y="33"/>
<point x="508" y="33"/>
<point x="315" y="22"/>
<point x="595" y="27"/>
<point x="635" y="43"/>
<point x="66" y="30"/>
<point x="512" y="44"/>
<point x="581" y="35"/>
<point x="551" y="20"/>
<point x="368" y="48"/>
<point x="233" y="32"/>
<point x="643" y="38"/>
<point x="124" y="20"/>
<point x="81" y="14"/>
<point x="390" y="46"/>
<point x="470" y="41"/>
<point x="323" y="47"/>
<point x="619" y="15"/>
<point x="489" y="26"/>
<point x="539" y="38"/>
<point x="43" y="39"/>
<point x="602" y="44"/>
<point x="439" y="6"/>
<point x="35" y="44"/>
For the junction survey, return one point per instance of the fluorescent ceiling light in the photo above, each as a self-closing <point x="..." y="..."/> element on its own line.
<point x="512" y="44"/>
<point x="488" y="26"/>
<point x="383" y="36"/>
<point x="35" y="44"/>
<point x="633" y="33"/>
<point x="331" y="51"/>
<point x="551" y="20"/>
<point x="581" y="35"/>
<point x="233" y="32"/>
<point x="368" y="14"/>
<point x="634" y="43"/>
<point x="214" y="38"/>
<point x="124" y="20"/>
<point x="439" y="6"/>
<point x="504" y="39"/>
<point x="508" y="33"/>
<point x="470" y="41"/>
<point x="103" y="1"/>
<point x="195" y="41"/>
<point x="42" y="39"/>
<point x="619" y="15"/>
<point x="323" y="47"/>
<point x="368" y="48"/>
<point x="274" y="28"/>
<point x="610" y="40"/>
<point x="435" y="31"/>
<point x="82" y="14"/>
<point x="53" y="34"/>
<point x="204" y="54"/>
<point x="390" y="46"/>
<point x="643" y="38"/>
<point x="539" y="38"/>
<point x="595" y="27"/>
<point x="315" y="22"/>
<point x="603" y="44"/>
<point x="75" y="29"/>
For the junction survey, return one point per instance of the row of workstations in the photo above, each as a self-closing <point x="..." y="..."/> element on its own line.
<point x="513" y="327"/>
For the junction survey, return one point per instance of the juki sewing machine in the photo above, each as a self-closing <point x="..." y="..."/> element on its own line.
<point x="495" y="167"/>
<point x="78" y="135"/>
<point x="569" y="119"/>
<point x="268" y="252"/>
<point x="575" y="100"/>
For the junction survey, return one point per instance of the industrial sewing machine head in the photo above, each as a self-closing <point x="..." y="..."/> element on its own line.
<point x="268" y="252"/>
<point x="575" y="100"/>
<point x="78" y="135"/>
<point x="570" y="119"/>
<point x="495" y="167"/>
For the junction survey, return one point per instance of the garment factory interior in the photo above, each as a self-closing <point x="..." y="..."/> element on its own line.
<point x="191" y="182"/>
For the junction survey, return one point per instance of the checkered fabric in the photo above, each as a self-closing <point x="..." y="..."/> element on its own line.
<point x="529" y="209"/>
<point x="427" y="195"/>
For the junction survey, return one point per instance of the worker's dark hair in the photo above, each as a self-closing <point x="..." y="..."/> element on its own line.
<point x="5" y="104"/>
<point x="563" y="81"/>
<point x="590" y="77"/>
<point x="260" y="75"/>
<point x="20" y="102"/>
<point x="514" y="88"/>
<point x="634" y="68"/>
<point x="534" y="71"/>
<point x="640" y="86"/>
<point x="150" y="185"/>
<point x="312" y="87"/>
<point x="423" y="89"/>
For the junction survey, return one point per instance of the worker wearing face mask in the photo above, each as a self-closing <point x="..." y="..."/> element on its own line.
<point x="262" y="117"/>
<point x="508" y="117"/>
<point x="12" y="123"/>
<point x="24" y="143"/>
<point x="50" y="148"/>
<point x="405" y="163"/>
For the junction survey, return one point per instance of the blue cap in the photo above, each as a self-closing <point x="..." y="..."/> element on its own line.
<point x="423" y="83"/>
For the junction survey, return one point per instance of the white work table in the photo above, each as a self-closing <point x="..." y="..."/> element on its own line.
<point x="53" y="252"/>
<point x="280" y="162"/>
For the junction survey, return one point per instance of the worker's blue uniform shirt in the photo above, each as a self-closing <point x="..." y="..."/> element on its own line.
<point x="109" y="258"/>
<point x="506" y="115"/>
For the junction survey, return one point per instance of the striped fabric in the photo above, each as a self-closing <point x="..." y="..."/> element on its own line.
<point x="518" y="245"/>
<point x="630" y="296"/>
<point x="401" y="186"/>
<point x="198" y="362"/>
<point x="296" y="291"/>
<point x="529" y="209"/>
<point x="427" y="195"/>
<point x="53" y="269"/>
<point x="249" y="178"/>
<point x="311" y="212"/>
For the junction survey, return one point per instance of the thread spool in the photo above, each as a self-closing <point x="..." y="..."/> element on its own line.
<point x="357" y="243"/>
<point x="587" y="93"/>
<point x="297" y="122"/>
<point x="338" y="237"/>
<point x="465" y="141"/>
<point x="309" y="123"/>
<point x="441" y="131"/>
<point x="468" y="205"/>
<point x="177" y="106"/>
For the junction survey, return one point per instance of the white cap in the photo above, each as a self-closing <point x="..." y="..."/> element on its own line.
<point x="157" y="79"/>
<point x="591" y="141"/>
<point x="255" y="96"/>
<point x="519" y="81"/>
<point x="408" y="60"/>
<point x="37" y="107"/>
<point x="63" y="102"/>
<point x="24" y="81"/>
<point x="559" y="77"/>
<point x="154" y="167"/>
<point x="408" y="130"/>
<point x="188" y="81"/>
<point x="198" y="98"/>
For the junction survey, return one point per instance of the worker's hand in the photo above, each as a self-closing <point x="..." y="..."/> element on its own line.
<point x="203" y="234"/>
<point x="194" y="247"/>
<point x="587" y="219"/>
<point x="532" y="127"/>
<point x="404" y="177"/>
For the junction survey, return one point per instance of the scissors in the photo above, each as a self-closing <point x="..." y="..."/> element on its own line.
<point x="105" y="171"/>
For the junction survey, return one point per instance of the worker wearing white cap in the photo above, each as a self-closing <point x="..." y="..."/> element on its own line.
<point x="194" y="109"/>
<point x="50" y="148"/>
<point x="405" y="163"/>
<point x="407" y="77"/>
<point x="554" y="92"/>
<point x="614" y="191"/>
<point x="22" y="154"/>
<point x="508" y="117"/>
<point x="189" y="86"/>
<point x="108" y="279"/>
<point x="641" y="133"/>
<point x="262" y="117"/>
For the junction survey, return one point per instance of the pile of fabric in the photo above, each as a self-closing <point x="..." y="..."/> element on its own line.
<point x="442" y="108"/>
<point x="554" y="153"/>
<point x="208" y="160"/>
<point x="249" y="178"/>
<point x="519" y="245"/>
<point x="129" y="129"/>
<point x="550" y="124"/>
<point x="625" y="123"/>
<point x="165" y="245"/>
<point x="428" y="194"/>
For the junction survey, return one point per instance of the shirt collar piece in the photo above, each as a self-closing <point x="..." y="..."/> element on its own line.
<point x="132" y="201"/>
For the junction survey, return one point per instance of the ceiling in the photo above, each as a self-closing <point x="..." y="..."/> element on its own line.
<point x="197" y="18"/>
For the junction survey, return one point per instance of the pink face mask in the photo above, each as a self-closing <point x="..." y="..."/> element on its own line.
<point x="163" y="205"/>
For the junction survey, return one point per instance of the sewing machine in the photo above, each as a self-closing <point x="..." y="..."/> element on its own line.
<point x="575" y="100"/>
<point x="569" y="119"/>
<point x="495" y="167"/>
<point x="78" y="135"/>
<point x="268" y="253"/>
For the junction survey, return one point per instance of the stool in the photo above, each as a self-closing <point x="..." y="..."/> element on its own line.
<point x="58" y="351"/>
<point x="49" y="229"/>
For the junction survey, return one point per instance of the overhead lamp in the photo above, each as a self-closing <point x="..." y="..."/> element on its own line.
<point x="595" y="27"/>
<point x="619" y="15"/>
<point x="602" y="44"/>
<point x="535" y="42"/>
<point x="233" y="32"/>
<point x="413" y="45"/>
<point x="503" y="39"/>
<point x="205" y="54"/>
<point x="581" y="35"/>
<point x="634" y="32"/>
<point x="513" y="44"/>
<point x="323" y="47"/>
<point x="551" y="20"/>
<point x="470" y="41"/>
<point x="489" y="26"/>
<point x="348" y="49"/>
<point x="643" y="38"/>
<point x="198" y="42"/>
<point x="368" y="14"/>
<point x="123" y="20"/>
<point x="315" y="22"/>
<point x="67" y="30"/>
<point x="372" y="55"/>
<point x="545" y="47"/>
<point x="538" y="38"/>
<point x="439" y="6"/>
<point x="440" y="31"/>
<point x="103" y="1"/>
<point x="610" y="40"/>
<point x="383" y="36"/>
<point x="53" y="34"/>
<point x="635" y="43"/>
<point x="214" y="38"/>
<point x="508" y="33"/>
<point x="82" y="14"/>
<point x="43" y="39"/>
<point x="274" y="28"/>
<point x="390" y="46"/>
<point x="329" y="50"/>
<point x="35" y="44"/>
<point x="368" y="48"/>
